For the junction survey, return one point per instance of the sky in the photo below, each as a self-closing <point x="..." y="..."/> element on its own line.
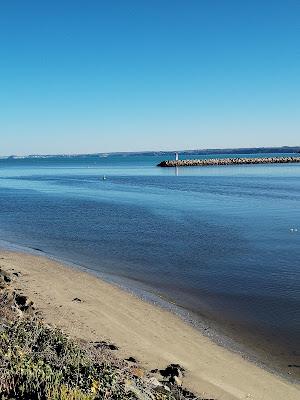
<point x="101" y="76"/>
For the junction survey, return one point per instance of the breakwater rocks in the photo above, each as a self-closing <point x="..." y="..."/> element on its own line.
<point x="229" y="161"/>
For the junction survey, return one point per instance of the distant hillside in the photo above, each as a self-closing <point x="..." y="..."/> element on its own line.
<point x="246" y="150"/>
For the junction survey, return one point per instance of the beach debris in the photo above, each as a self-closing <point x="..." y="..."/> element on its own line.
<point x="172" y="370"/>
<point x="20" y="299"/>
<point x="105" y="345"/>
<point x="174" y="373"/>
<point x="23" y="302"/>
<point x="77" y="300"/>
<point x="131" y="359"/>
<point x="5" y="278"/>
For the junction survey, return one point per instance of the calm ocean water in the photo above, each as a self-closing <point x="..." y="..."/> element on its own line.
<point x="220" y="242"/>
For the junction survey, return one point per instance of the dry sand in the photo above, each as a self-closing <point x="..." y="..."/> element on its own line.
<point x="152" y="335"/>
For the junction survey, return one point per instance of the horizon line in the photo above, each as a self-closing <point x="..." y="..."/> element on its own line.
<point x="297" y="147"/>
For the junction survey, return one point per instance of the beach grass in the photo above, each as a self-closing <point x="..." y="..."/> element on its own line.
<point x="40" y="362"/>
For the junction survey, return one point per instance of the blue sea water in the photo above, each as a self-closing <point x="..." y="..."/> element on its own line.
<point x="222" y="243"/>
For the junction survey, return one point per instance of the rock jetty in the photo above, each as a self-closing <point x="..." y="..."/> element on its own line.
<point x="229" y="161"/>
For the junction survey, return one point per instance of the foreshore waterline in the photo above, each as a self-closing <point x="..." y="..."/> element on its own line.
<point x="228" y="161"/>
<point x="140" y="329"/>
<point x="228" y="337"/>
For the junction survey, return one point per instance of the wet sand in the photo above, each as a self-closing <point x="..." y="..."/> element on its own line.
<point x="150" y="334"/>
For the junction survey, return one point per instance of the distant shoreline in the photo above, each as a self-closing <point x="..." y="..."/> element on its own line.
<point x="207" y="151"/>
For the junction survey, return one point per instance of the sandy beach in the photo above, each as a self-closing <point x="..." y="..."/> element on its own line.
<point x="150" y="334"/>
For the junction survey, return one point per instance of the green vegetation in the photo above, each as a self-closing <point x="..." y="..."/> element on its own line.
<point x="40" y="362"/>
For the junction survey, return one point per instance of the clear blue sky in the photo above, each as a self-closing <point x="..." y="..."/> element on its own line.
<point x="93" y="76"/>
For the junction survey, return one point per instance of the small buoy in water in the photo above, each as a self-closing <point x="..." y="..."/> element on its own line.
<point x="104" y="178"/>
<point x="294" y="230"/>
